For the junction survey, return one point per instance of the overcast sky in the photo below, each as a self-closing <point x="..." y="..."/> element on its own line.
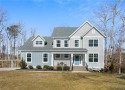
<point x="44" y="15"/>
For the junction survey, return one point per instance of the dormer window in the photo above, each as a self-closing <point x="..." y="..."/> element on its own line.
<point x="38" y="42"/>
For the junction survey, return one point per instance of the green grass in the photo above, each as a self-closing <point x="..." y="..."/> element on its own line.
<point x="22" y="80"/>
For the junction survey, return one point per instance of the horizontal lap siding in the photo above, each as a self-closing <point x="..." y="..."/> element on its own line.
<point x="37" y="58"/>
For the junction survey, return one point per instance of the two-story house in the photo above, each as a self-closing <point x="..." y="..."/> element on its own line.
<point x="74" y="46"/>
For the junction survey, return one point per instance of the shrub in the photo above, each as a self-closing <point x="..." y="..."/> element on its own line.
<point x="59" y="68"/>
<point x="66" y="68"/>
<point x="51" y="68"/>
<point x="23" y="64"/>
<point x="30" y="67"/>
<point x="46" y="67"/>
<point x="38" y="67"/>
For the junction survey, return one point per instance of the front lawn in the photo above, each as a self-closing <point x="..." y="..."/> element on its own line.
<point x="23" y="80"/>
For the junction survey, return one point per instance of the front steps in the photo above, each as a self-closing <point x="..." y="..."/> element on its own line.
<point x="79" y="68"/>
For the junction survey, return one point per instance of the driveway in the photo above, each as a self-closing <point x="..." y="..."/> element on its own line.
<point x="7" y="69"/>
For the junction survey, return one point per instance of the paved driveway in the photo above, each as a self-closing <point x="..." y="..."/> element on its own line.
<point x="7" y="69"/>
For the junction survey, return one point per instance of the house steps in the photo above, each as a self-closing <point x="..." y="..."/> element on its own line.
<point x="79" y="68"/>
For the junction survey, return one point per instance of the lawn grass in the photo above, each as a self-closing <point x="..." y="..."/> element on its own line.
<point x="23" y="80"/>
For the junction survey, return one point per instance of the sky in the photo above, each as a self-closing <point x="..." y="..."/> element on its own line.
<point x="44" y="15"/>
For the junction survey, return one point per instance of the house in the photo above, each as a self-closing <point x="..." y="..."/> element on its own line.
<point x="74" y="46"/>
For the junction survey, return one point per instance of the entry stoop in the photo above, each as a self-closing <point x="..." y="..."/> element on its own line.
<point x="79" y="68"/>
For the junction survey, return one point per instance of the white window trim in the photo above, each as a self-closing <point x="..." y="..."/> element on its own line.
<point x="93" y="56"/>
<point x="78" y="43"/>
<point x="64" y="43"/>
<point x="26" y="57"/>
<point x="93" y="42"/>
<point x="60" y="43"/>
<point x="43" y="58"/>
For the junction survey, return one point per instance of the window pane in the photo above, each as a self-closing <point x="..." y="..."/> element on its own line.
<point x="76" y="43"/>
<point x="45" y="55"/>
<point x="45" y="59"/>
<point x="57" y="55"/>
<point x="36" y="42"/>
<point x="40" y="42"/>
<point x="95" y="57"/>
<point x="58" y="45"/>
<point x="90" y="57"/>
<point x="66" y="55"/>
<point x="66" y="44"/>
<point x="90" y="43"/>
<point x="96" y="43"/>
<point x="28" y="59"/>
<point x="28" y="54"/>
<point x="58" y="41"/>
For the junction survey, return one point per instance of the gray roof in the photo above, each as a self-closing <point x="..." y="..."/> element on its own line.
<point x="28" y="46"/>
<point x="63" y="31"/>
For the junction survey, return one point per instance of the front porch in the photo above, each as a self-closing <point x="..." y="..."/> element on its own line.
<point x="76" y="61"/>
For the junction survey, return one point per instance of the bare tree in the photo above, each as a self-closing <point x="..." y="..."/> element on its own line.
<point x="33" y="32"/>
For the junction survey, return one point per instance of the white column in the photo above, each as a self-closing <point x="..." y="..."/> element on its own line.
<point x="86" y="58"/>
<point x="71" y="58"/>
<point x="52" y="59"/>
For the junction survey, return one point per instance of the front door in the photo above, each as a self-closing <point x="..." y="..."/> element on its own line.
<point x="77" y="60"/>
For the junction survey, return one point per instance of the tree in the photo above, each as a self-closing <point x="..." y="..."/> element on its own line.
<point x="13" y="32"/>
<point x="33" y="32"/>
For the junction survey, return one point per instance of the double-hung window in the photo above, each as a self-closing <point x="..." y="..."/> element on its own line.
<point x="29" y="57"/>
<point x="93" y="57"/>
<point x="45" y="58"/>
<point x="93" y="43"/>
<point x="58" y="43"/>
<point x="76" y="43"/>
<point x="66" y="43"/>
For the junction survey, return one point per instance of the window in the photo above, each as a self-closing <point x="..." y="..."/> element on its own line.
<point x="76" y="43"/>
<point x="58" y="43"/>
<point x="93" y="57"/>
<point x="28" y="57"/>
<point x="66" y="43"/>
<point x="66" y="56"/>
<point x="93" y="43"/>
<point x="57" y="56"/>
<point x="38" y="42"/>
<point x="45" y="58"/>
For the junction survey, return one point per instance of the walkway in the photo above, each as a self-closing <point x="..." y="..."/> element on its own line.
<point x="7" y="69"/>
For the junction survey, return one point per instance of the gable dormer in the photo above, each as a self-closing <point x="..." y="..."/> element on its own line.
<point x="38" y="41"/>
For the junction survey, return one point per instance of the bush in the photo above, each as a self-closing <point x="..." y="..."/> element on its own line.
<point x="46" y="67"/>
<point x="59" y="68"/>
<point x="38" y="67"/>
<point x="51" y="68"/>
<point x="66" y="68"/>
<point x="30" y="67"/>
<point x="23" y="64"/>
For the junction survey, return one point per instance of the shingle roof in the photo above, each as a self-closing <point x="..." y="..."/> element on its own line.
<point x="28" y="46"/>
<point x="63" y="31"/>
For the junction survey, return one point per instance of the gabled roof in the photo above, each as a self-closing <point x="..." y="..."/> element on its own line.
<point x="96" y="30"/>
<point x="38" y="36"/>
<point x="63" y="31"/>
<point x="79" y="28"/>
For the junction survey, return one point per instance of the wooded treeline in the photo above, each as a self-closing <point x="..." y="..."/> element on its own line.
<point x="110" y="19"/>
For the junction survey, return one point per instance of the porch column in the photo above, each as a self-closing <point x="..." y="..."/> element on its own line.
<point x="71" y="61"/>
<point x="52" y="59"/>
<point x="86" y="59"/>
